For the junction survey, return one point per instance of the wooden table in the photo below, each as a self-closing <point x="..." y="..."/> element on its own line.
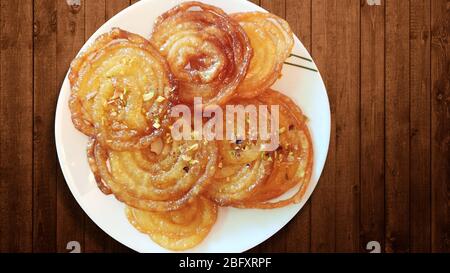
<point x="387" y="177"/>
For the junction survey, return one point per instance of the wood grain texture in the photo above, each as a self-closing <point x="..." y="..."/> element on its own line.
<point x="46" y="90"/>
<point x="372" y="124"/>
<point x="95" y="17"/>
<point x="16" y="119"/>
<point x="70" y="38"/>
<point x="295" y="236"/>
<point x="115" y="6"/>
<point x="440" y="125"/>
<point x="387" y="175"/>
<point x="397" y="126"/>
<point x="420" y="168"/>
<point x="277" y="7"/>
<point x="97" y="13"/>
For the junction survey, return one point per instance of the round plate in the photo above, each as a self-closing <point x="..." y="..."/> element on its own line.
<point x="236" y="230"/>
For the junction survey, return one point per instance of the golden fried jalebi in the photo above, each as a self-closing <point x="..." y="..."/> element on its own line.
<point x="162" y="177"/>
<point x="208" y="52"/>
<point x="176" y="230"/>
<point x="250" y="178"/>
<point x="272" y="41"/>
<point x="122" y="90"/>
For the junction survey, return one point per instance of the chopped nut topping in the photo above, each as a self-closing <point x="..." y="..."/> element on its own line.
<point x="186" y="158"/>
<point x="195" y="134"/>
<point x="193" y="147"/>
<point x="193" y="161"/>
<point x="91" y="95"/>
<point x="169" y="90"/>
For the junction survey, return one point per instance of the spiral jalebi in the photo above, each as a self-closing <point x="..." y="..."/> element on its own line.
<point x="272" y="41"/>
<point x="249" y="178"/>
<point x="122" y="91"/>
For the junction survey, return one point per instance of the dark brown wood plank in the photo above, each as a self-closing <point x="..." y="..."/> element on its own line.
<point x="347" y="125"/>
<point x="297" y="237"/>
<point x="94" y="237"/>
<point x="397" y="126"/>
<point x="276" y="243"/>
<point x="46" y="92"/>
<point x="420" y="207"/>
<point x="440" y="125"/>
<point x="70" y="38"/>
<point x="324" y="43"/>
<point x="257" y="248"/>
<point x="417" y="126"/>
<point x="112" y="8"/>
<point x="372" y="125"/>
<point x="16" y="118"/>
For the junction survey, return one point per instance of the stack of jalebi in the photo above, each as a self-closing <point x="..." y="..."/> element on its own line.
<point x="124" y="88"/>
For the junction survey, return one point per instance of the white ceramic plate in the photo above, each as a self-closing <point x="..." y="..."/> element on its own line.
<point x="236" y="230"/>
